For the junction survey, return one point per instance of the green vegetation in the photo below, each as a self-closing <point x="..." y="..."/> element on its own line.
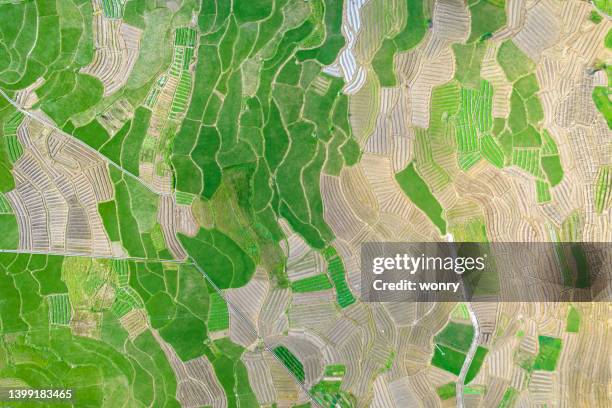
<point x="601" y="96"/>
<point x="474" y="118"/>
<point x="583" y="275"/>
<point x="528" y="160"/>
<point x="326" y="53"/>
<point x="52" y="41"/>
<point x="447" y="391"/>
<point x="218" y="318"/>
<point x="573" y="320"/>
<point x="463" y="109"/>
<point x="410" y="36"/>
<point x="461" y="311"/>
<point x="468" y="62"/>
<point x="445" y="104"/>
<point x="184" y="198"/>
<point x="95" y="356"/>
<point x="456" y="335"/>
<point x="12" y="146"/>
<point x="228" y="110"/>
<point x="553" y="169"/>
<point x="311" y="284"/>
<point x="290" y="361"/>
<point x="131" y="218"/>
<point x="450" y="349"/>
<point x="92" y="134"/>
<point x="603" y="189"/>
<point x="59" y="309"/>
<point x="447" y="359"/>
<point x="542" y="192"/>
<point x="595" y="17"/>
<point x="221" y="258"/>
<point x="476" y="363"/>
<point x="8" y="221"/>
<point x="85" y="92"/>
<point x="527" y="86"/>
<point x="132" y="144"/>
<point x="419" y="193"/>
<point x="204" y="117"/>
<point x="112" y="8"/>
<point x="487" y="16"/>
<point x="327" y="392"/>
<point x="335" y="269"/>
<point x="513" y="61"/>
<point x="334" y="370"/>
<point x="509" y="398"/>
<point x="604" y="6"/>
<point x="11" y="149"/>
<point x="231" y="372"/>
<point x="249" y="135"/>
<point x="10" y="232"/>
<point x="478" y="390"/>
<point x="108" y="212"/>
<point x="548" y="353"/>
<point x="492" y="151"/>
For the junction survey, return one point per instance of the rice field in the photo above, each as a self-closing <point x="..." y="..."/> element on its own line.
<point x="311" y="284"/>
<point x="59" y="309"/>
<point x="542" y="192"/>
<point x="528" y="160"/>
<point x="112" y="8"/>
<point x="218" y="315"/>
<point x="603" y="189"/>
<point x="290" y="361"/>
<point x="12" y="145"/>
<point x="251" y="144"/>
<point x="337" y="273"/>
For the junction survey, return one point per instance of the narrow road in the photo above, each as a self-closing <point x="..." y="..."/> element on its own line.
<point x="472" y="350"/>
<point x="33" y="115"/>
<point x="239" y="313"/>
<point x="469" y="357"/>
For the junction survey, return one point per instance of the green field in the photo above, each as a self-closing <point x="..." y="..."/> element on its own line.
<point x="509" y="398"/>
<point x="487" y="16"/>
<point x="328" y="392"/>
<point x="311" y="284"/>
<point x="412" y="33"/>
<point x="573" y="320"/>
<point x="456" y="335"/>
<point x="513" y="61"/>
<point x="601" y="96"/>
<point x="450" y="349"/>
<point x="447" y="391"/>
<point x="206" y="141"/>
<point x="83" y="363"/>
<point x="218" y="315"/>
<point x="477" y="361"/>
<point x="447" y="359"/>
<point x="290" y="361"/>
<point x="604" y="6"/>
<point x="548" y="353"/>
<point x="59" y="309"/>
<point x="335" y="269"/>
<point x="603" y="189"/>
<point x="419" y="193"/>
<point x="10" y="231"/>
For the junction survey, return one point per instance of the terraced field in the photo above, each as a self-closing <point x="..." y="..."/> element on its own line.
<point x="185" y="187"/>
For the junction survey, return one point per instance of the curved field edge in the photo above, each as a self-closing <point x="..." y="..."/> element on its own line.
<point x="246" y="145"/>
